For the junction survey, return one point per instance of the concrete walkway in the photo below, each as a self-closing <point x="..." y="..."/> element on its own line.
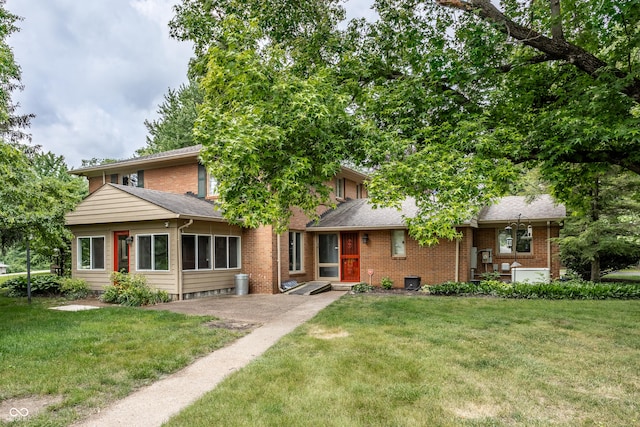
<point x="156" y="403"/>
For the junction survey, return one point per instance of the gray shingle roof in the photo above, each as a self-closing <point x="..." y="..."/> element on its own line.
<point x="181" y="204"/>
<point x="360" y="214"/>
<point x="542" y="208"/>
<point x="179" y="152"/>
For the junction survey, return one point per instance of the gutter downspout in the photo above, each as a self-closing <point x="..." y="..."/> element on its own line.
<point x="549" y="247"/>
<point x="180" y="272"/>
<point x="457" y="275"/>
<point x="279" y="263"/>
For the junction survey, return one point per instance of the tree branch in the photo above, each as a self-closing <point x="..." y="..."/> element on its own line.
<point x="556" y="48"/>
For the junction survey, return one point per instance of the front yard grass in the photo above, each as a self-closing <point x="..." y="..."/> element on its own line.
<point x="85" y="360"/>
<point x="439" y="361"/>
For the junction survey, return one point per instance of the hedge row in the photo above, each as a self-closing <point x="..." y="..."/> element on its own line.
<point x="574" y="289"/>
<point x="47" y="285"/>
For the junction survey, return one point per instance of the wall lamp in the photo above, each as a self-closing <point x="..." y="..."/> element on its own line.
<point x="129" y="240"/>
<point x="528" y="235"/>
<point x="365" y="238"/>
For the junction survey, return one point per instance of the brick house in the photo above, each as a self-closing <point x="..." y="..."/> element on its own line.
<point x="156" y="215"/>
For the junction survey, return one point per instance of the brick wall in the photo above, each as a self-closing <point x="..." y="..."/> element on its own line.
<point x="435" y="264"/>
<point x="259" y="260"/>
<point x="175" y="179"/>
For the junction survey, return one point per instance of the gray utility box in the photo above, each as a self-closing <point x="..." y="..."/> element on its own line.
<point x="412" y="283"/>
<point x="242" y="284"/>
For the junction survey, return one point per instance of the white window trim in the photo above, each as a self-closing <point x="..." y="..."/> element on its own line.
<point x="79" y="254"/>
<point x="239" y="252"/>
<point x="211" y="261"/>
<point x="300" y="251"/>
<point x="152" y="252"/>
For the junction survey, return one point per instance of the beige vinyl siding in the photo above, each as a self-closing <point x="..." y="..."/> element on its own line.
<point x="97" y="279"/>
<point x="208" y="280"/>
<point x="111" y="204"/>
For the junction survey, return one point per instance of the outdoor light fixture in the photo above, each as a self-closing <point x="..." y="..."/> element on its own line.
<point x="510" y="240"/>
<point x="365" y="238"/>
<point x="129" y="240"/>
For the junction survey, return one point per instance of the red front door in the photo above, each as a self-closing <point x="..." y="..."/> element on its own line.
<point x="349" y="257"/>
<point x="120" y="251"/>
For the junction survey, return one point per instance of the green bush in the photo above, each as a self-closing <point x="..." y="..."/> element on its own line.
<point x="361" y="287"/>
<point x="74" y="288"/>
<point x="41" y="285"/>
<point x="132" y="290"/>
<point x="573" y="289"/>
<point x="386" y="283"/>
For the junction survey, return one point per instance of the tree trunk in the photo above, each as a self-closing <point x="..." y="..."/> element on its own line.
<point x="595" y="268"/>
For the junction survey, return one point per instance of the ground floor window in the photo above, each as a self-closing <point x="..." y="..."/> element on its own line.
<point x="91" y="253"/>
<point x="196" y="252"/>
<point x="296" y="242"/>
<point x="397" y="243"/>
<point x="153" y="252"/>
<point x="226" y="252"/>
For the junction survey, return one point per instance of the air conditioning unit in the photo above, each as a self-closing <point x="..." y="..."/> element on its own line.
<point x="412" y="283"/>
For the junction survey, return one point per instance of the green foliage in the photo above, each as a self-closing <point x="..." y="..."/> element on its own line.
<point x="361" y="287"/>
<point x="490" y="275"/>
<point x="132" y="290"/>
<point x="176" y="117"/>
<point x="445" y="102"/>
<point x="574" y="289"/>
<point x="386" y="283"/>
<point x="601" y="234"/>
<point x="42" y="285"/>
<point x="74" y="288"/>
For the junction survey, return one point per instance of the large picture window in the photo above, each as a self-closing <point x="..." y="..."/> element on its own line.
<point x="153" y="252"/>
<point x="296" y="242"/>
<point x="523" y="244"/>
<point x="196" y="252"/>
<point x="226" y="252"/>
<point x="91" y="253"/>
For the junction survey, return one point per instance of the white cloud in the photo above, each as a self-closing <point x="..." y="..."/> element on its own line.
<point x="95" y="70"/>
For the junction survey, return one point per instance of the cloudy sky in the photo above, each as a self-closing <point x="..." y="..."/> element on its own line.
<point x="95" y="70"/>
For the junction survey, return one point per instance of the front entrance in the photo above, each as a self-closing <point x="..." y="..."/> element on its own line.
<point x="121" y="251"/>
<point x="349" y="257"/>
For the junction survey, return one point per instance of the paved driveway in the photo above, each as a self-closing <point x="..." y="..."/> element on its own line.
<point x="252" y="308"/>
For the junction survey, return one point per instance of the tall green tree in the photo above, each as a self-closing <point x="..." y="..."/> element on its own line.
<point x="602" y="232"/>
<point x="443" y="100"/>
<point x="177" y="114"/>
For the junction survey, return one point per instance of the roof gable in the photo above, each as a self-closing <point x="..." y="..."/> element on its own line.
<point x="114" y="203"/>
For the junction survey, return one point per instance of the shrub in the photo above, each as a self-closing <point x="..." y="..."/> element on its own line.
<point x="361" y="287"/>
<point x="572" y="289"/>
<point x="74" y="288"/>
<point x="386" y="283"/>
<point x="132" y="291"/>
<point x="44" y="284"/>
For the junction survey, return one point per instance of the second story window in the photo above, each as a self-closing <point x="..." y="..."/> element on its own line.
<point x="340" y="188"/>
<point x="213" y="186"/>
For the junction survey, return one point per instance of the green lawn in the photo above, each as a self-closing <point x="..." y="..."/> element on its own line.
<point x="441" y="361"/>
<point x="85" y="360"/>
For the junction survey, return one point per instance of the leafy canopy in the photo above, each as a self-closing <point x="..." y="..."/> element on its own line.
<point x="443" y="101"/>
